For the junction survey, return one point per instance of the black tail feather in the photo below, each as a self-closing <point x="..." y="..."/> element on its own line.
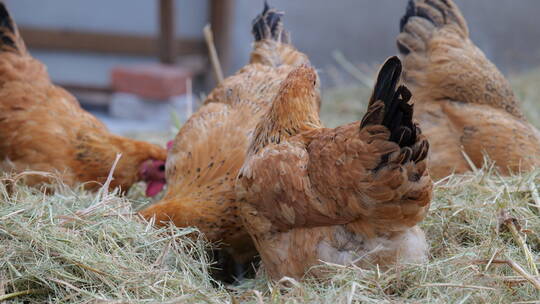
<point x="5" y="18"/>
<point x="396" y="113"/>
<point x="8" y="30"/>
<point x="387" y="80"/>
<point x="409" y="12"/>
<point x="438" y="12"/>
<point x="268" y="25"/>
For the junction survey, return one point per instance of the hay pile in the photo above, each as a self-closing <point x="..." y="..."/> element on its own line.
<point x="75" y="247"/>
<point x="79" y="247"/>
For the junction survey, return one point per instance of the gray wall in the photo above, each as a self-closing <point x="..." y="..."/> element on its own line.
<point x="124" y="16"/>
<point x="364" y="30"/>
<point x="121" y="16"/>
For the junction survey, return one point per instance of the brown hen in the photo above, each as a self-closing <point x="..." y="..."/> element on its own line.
<point x="352" y="194"/>
<point x="43" y="128"/>
<point x="464" y="104"/>
<point x="211" y="147"/>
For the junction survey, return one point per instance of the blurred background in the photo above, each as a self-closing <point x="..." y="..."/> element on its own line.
<point x="134" y="62"/>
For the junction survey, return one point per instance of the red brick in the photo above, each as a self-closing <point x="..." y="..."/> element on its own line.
<point x="152" y="81"/>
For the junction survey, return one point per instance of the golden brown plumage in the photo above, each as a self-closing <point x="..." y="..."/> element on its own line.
<point x="464" y="103"/>
<point x="43" y="128"/>
<point x="211" y="147"/>
<point x="353" y="193"/>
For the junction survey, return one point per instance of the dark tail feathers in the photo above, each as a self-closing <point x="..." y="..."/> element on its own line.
<point x="9" y="35"/>
<point x="438" y="12"/>
<point x="390" y="107"/>
<point x="268" y="25"/>
<point x="425" y="16"/>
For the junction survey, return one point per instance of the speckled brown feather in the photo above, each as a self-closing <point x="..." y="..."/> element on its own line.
<point x="308" y="191"/>
<point x="43" y="128"/>
<point x="211" y="147"/>
<point x="464" y="103"/>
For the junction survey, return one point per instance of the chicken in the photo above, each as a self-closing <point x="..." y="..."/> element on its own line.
<point x="210" y="148"/>
<point x="43" y="128"/>
<point x="465" y="105"/>
<point x="352" y="194"/>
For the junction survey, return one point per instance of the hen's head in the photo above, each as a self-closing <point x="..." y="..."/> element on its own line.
<point x="152" y="172"/>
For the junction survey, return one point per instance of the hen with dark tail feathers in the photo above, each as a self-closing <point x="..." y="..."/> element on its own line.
<point x="464" y="103"/>
<point x="350" y="194"/>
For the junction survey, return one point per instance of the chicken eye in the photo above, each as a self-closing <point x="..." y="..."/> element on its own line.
<point x="161" y="168"/>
